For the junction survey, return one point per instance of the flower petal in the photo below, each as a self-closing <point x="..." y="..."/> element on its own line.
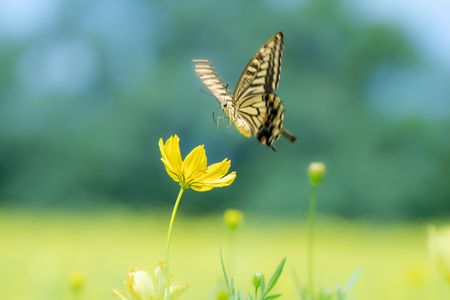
<point x="200" y="187"/>
<point x="194" y="165"/>
<point x="140" y="285"/>
<point x="171" y="157"/>
<point x="172" y="150"/>
<point x="176" y="290"/>
<point x="215" y="171"/>
<point x="209" y="185"/>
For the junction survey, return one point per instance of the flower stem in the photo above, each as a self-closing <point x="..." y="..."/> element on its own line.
<point x="172" y="220"/>
<point x="312" y="220"/>
<point x="232" y="236"/>
<point x="169" y="237"/>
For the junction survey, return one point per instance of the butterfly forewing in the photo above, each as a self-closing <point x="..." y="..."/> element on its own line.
<point x="262" y="73"/>
<point x="205" y="71"/>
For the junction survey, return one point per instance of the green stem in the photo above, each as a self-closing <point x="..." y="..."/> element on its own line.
<point x="312" y="220"/>
<point x="172" y="220"/>
<point x="169" y="237"/>
<point x="232" y="236"/>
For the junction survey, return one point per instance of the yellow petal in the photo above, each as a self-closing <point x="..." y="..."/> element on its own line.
<point x="172" y="149"/>
<point x="171" y="157"/>
<point x="194" y="164"/>
<point x="215" y="171"/>
<point x="200" y="187"/>
<point x="209" y="185"/>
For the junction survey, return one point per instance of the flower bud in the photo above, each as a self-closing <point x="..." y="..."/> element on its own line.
<point x="76" y="281"/>
<point x="316" y="172"/>
<point x="256" y="279"/>
<point x="233" y="218"/>
<point x="222" y="295"/>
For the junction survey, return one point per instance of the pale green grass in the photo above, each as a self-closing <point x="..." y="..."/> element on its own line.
<point x="39" y="252"/>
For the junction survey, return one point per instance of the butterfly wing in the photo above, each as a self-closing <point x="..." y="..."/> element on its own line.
<point x="207" y="74"/>
<point x="255" y="100"/>
<point x="262" y="73"/>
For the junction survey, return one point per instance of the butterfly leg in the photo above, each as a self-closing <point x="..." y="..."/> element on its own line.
<point x="217" y="119"/>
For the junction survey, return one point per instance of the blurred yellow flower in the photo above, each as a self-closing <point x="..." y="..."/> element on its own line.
<point x="141" y="286"/>
<point x="439" y="247"/>
<point x="416" y="275"/>
<point x="316" y="172"/>
<point x="222" y="295"/>
<point x="76" y="281"/>
<point x="233" y="218"/>
<point x="193" y="172"/>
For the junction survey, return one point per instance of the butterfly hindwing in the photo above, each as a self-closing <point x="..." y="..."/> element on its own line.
<point x="264" y="113"/>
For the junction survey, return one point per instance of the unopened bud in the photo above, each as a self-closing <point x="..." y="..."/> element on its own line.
<point x="256" y="279"/>
<point x="316" y="172"/>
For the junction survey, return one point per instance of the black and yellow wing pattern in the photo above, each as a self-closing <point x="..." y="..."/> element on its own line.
<point x="254" y="108"/>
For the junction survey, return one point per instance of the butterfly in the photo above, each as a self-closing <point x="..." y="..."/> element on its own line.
<point x="254" y="108"/>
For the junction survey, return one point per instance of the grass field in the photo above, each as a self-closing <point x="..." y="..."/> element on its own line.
<point x="38" y="253"/>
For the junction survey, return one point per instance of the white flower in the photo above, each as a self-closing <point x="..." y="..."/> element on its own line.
<point x="141" y="285"/>
<point x="439" y="247"/>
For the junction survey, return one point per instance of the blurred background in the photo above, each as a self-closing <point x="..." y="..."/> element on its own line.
<point x="88" y="87"/>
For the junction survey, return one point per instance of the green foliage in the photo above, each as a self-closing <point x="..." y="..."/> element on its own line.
<point x="340" y="293"/>
<point x="105" y="245"/>
<point x="261" y="290"/>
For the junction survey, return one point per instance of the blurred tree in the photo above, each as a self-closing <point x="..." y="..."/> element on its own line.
<point x="85" y="132"/>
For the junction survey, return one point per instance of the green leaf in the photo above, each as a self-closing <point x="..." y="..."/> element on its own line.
<point x="225" y="273"/>
<point x="298" y="287"/>
<point x="352" y="281"/>
<point x="340" y="295"/>
<point x="274" y="296"/>
<point x="304" y="294"/>
<point x="275" y="276"/>
<point x="232" y="289"/>
<point x="239" y="295"/>
<point x="325" y="295"/>
<point x="262" y="287"/>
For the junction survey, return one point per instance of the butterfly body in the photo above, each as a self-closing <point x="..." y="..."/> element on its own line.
<point x="254" y="108"/>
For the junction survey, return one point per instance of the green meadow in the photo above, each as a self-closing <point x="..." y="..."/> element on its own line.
<point x="40" y="252"/>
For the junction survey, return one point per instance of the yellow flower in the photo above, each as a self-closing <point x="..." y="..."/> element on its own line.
<point x="222" y="295"/>
<point x="142" y="286"/>
<point x="439" y="247"/>
<point x="416" y="275"/>
<point x="233" y="218"/>
<point x="193" y="172"/>
<point x="76" y="281"/>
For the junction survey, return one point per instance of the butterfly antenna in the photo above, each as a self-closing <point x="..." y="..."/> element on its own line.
<point x="205" y="92"/>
